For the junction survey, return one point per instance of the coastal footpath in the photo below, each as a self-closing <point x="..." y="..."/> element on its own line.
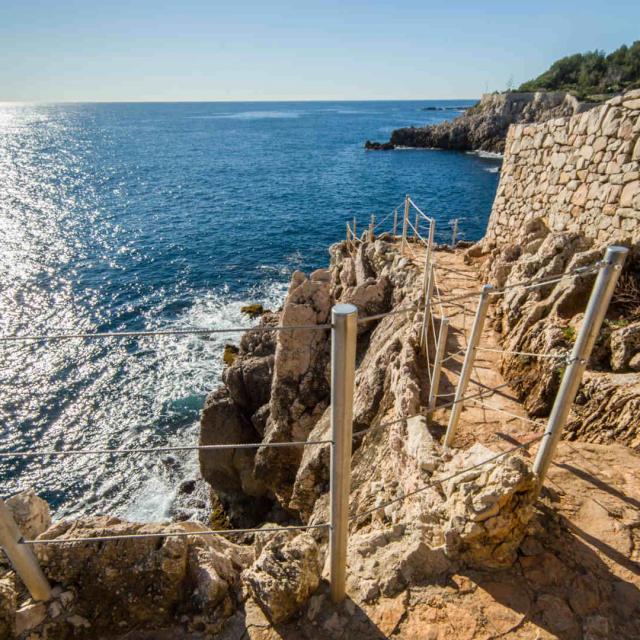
<point x="567" y="187"/>
<point x="484" y="126"/>
<point x="475" y="556"/>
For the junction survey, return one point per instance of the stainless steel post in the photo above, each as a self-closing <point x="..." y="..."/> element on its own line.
<point x="429" y="250"/>
<point x="454" y="234"/>
<point x="437" y="363"/>
<point x="395" y="221"/>
<point x="21" y="556"/>
<point x="405" y="221"/>
<point x="344" y="331"/>
<point x="428" y="294"/>
<point x="593" y="318"/>
<point x="467" y="365"/>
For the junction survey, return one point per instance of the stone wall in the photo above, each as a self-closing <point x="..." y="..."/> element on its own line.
<point x="575" y="174"/>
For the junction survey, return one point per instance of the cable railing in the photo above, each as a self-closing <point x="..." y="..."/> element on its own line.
<point x="407" y="205"/>
<point x="159" y="333"/>
<point x="344" y="330"/>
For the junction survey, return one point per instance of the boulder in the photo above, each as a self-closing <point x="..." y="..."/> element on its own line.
<point x="284" y="576"/>
<point x="254" y="310"/>
<point x="248" y="380"/>
<point x="488" y="508"/>
<point x="229" y="472"/>
<point x="30" y="512"/>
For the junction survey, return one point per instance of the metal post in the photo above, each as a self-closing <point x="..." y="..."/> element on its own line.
<point x="429" y="250"/>
<point x="344" y="332"/>
<point x="405" y="220"/>
<point x="593" y="318"/>
<point x="415" y="227"/>
<point x="372" y="226"/>
<point x="21" y="556"/>
<point x="395" y="221"/>
<point x="454" y="234"/>
<point x="428" y="294"/>
<point x="467" y="365"/>
<point x="437" y="363"/>
<point x="355" y="234"/>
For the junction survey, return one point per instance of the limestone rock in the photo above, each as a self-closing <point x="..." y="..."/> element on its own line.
<point x="557" y="614"/>
<point x="227" y="471"/>
<point x="30" y="616"/>
<point x="8" y="604"/>
<point x="405" y="555"/>
<point x="387" y="376"/>
<point x="420" y="444"/>
<point x="606" y="410"/>
<point x="30" y="512"/>
<point x="625" y="344"/>
<point x="142" y="581"/>
<point x="488" y="508"/>
<point x="284" y="576"/>
<point x="249" y="382"/>
<point x="300" y="388"/>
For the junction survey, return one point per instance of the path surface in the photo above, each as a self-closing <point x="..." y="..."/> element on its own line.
<point x="578" y="575"/>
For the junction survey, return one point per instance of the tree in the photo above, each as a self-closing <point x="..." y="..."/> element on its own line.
<point x="591" y="73"/>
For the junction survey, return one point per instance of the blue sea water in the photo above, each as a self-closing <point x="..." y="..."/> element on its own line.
<point x="140" y="216"/>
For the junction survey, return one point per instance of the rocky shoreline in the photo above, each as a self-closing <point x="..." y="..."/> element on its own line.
<point x="484" y="126"/>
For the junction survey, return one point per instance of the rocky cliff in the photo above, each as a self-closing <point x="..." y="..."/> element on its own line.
<point x="484" y="126"/>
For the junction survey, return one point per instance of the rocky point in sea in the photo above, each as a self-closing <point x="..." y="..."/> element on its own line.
<point x="484" y="126"/>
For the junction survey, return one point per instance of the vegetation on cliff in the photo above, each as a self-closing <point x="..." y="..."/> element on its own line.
<point x="591" y="74"/>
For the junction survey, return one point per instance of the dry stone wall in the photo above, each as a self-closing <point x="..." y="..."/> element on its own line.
<point x="576" y="174"/>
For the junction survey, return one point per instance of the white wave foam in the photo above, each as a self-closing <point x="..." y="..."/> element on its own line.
<point x="403" y="148"/>
<point x="492" y="169"/>
<point x="187" y="367"/>
<point x="487" y="154"/>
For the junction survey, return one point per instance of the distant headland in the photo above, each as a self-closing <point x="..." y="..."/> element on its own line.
<point x="571" y="85"/>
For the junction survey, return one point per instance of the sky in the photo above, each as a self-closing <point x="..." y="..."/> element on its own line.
<point x="152" y="50"/>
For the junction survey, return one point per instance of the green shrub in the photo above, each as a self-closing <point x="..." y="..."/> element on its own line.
<point x="591" y="74"/>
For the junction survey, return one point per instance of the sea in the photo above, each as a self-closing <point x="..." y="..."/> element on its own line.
<point x="147" y="216"/>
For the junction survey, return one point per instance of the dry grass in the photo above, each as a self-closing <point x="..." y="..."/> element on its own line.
<point x="626" y="297"/>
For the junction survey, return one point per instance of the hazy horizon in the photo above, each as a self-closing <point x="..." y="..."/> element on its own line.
<point x="274" y="101"/>
<point x="284" y="51"/>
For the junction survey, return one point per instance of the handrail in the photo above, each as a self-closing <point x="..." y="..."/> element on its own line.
<point x="420" y="211"/>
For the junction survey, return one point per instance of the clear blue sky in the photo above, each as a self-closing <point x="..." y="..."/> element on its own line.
<point x="92" y="50"/>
